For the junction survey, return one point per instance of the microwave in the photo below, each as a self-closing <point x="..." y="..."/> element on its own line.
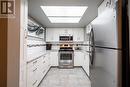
<point x="65" y="38"/>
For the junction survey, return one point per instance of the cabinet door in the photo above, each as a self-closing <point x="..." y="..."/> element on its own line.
<point x="68" y="31"/>
<point x="78" y="34"/>
<point x="49" y="35"/>
<point x="55" y="35"/>
<point x="54" y="58"/>
<point x="47" y="60"/>
<point x="86" y="63"/>
<point x="32" y="74"/>
<point x="40" y="68"/>
<point x="52" y="35"/>
<point x="78" y="58"/>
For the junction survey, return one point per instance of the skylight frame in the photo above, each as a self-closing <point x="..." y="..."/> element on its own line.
<point x="64" y="12"/>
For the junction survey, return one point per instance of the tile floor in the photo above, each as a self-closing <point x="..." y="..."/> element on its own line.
<point x="66" y="78"/>
<point x="101" y="78"/>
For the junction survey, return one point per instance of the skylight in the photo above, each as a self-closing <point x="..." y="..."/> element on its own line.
<point x="64" y="19"/>
<point x="64" y="14"/>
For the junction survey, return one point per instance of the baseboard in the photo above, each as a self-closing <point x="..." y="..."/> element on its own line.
<point x="54" y="66"/>
<point x="77" y="66"/>
<point x="44" y="76"/>
<point x="86" y="73"/>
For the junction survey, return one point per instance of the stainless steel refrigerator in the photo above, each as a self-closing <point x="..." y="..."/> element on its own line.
<point x="104" y="49"/>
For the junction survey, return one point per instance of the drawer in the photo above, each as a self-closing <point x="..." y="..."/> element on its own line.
<point x="32" y="69"/>
<point x="31" y="77"/>
<point x="35" y="83"/>
<point x="42" y="62"/>
<point x="32" y="64"/>
<point x="44" y="71"/>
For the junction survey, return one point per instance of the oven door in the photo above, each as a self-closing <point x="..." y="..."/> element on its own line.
<point x="66" y="59"/>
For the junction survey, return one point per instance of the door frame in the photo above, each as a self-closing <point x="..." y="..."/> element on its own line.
<point x="124" y="25"/>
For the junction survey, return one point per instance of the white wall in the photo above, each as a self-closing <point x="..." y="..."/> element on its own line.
<point x="23" y="52"/>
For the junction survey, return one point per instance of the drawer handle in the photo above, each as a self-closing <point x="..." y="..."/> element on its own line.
<point x="34" y="62"/>
<point x="43" y="57"/>
<point x="43" y="62"/>
<point x="34" y="70"/>
<point x="34" y="82"/>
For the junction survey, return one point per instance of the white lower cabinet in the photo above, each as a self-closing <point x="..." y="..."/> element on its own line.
<point x="86" y="63"/>
<point x="31" y="74"/>
<point x="54" y="58"/>
<point x="82" y="59"/>
<point x="36" y="70"/>
<point x="78" y="58"/>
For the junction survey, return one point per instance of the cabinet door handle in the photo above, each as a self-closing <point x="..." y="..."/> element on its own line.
<point x="35" y="62"/>
<point x="34" y="82"/>
<point x="43" y="62"/>
<point x="34" y="69"/>
<point x="43" y="57"/>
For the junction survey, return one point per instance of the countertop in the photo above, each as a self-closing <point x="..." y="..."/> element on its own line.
<point x="48" y="51"/>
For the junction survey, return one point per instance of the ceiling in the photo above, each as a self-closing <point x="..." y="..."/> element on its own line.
<point x="36" y="12"/>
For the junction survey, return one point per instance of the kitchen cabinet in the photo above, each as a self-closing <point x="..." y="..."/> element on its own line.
<point x="86" y="62"/>
<point x="54" y="58"/>
<point x="78" y="35"/>
<point x="82" y="59"/>
<point x="31" y="74"/>
<point x="67" y="31"/>
<point x="78" y="58"/>
<point x="34" y="52"/>
<point x="36" y="70"/>
<point x="52" y="34"/>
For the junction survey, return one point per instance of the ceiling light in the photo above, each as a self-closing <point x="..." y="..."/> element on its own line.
<point x="64" y="14"/>
<point x="64" y="10"/>
<point x="64" y="19"/>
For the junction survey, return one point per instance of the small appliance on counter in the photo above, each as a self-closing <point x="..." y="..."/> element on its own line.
<point x="77" y="47"/>
<point x="48" y="46"/>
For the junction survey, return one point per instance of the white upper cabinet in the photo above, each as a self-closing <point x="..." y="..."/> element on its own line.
<point x="65" y="32"/>
<point x="78" y="35"/>
<point x="52" y="34"/>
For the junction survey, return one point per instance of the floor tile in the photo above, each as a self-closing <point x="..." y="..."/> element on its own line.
<point x="66" y="78"/>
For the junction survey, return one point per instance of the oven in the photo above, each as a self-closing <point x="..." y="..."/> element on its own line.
<point x="66" y="58"/>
